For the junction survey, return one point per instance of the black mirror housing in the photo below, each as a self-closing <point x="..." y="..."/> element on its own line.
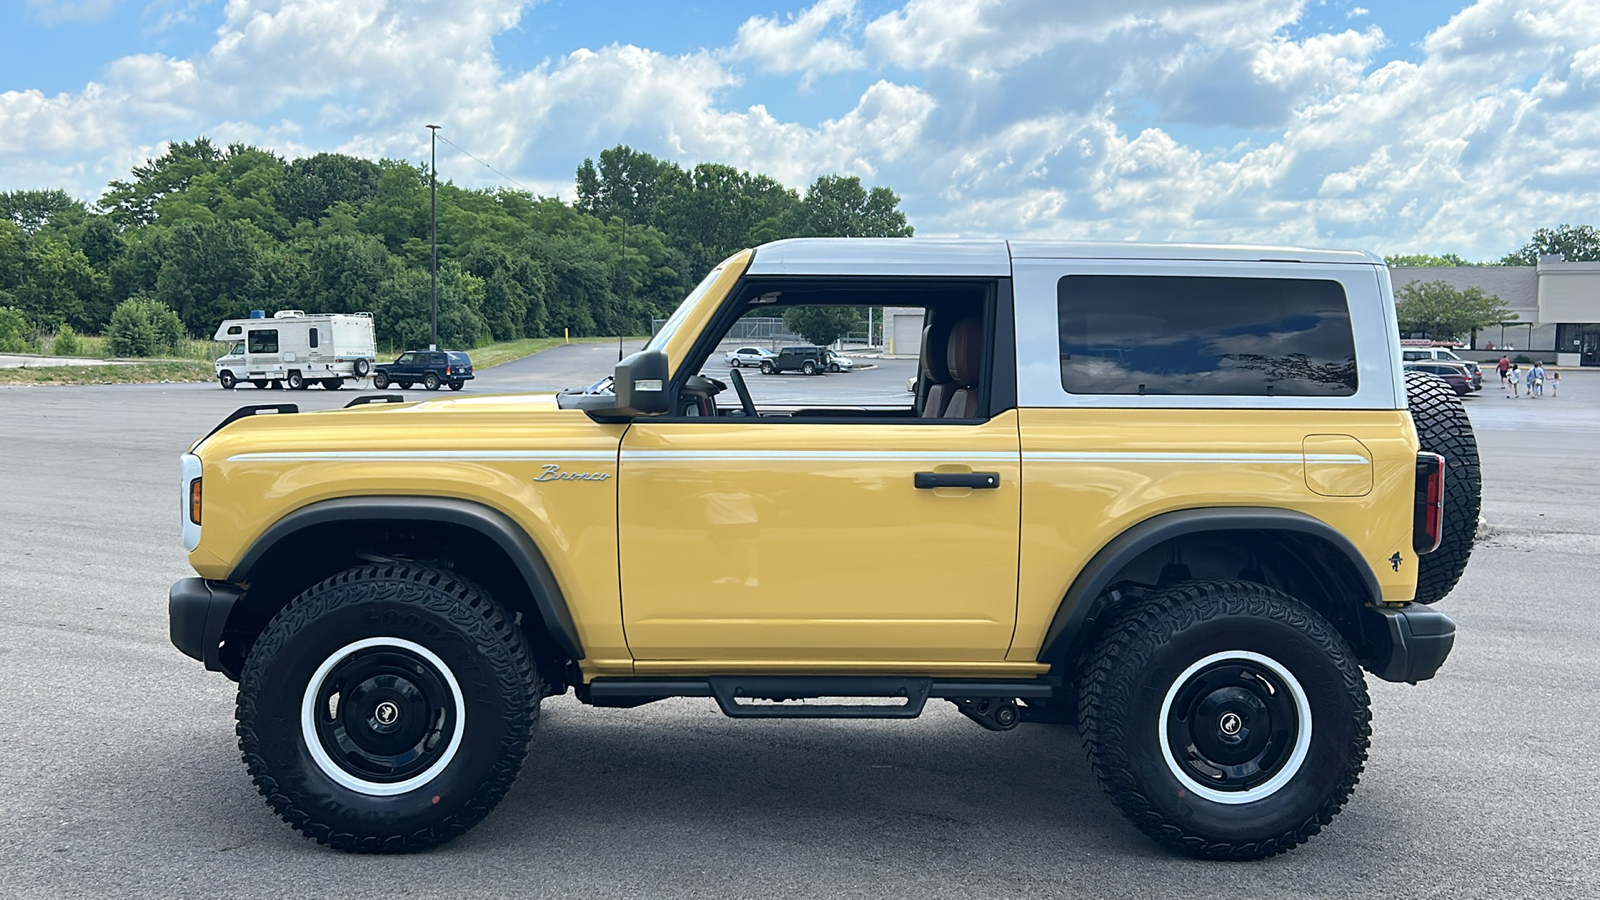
<point x="640" y="384"/>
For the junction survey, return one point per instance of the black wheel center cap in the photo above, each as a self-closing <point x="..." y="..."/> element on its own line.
<point x="386" y="713"/>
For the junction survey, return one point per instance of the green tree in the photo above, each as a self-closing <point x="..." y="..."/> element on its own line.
<point x="1575" y="243"/>
<point x="1443" y="312"/>
<point x="835" y="206"/>
<point x="33" y="210"/>
<point x="66" y="342"/>
<point x="346" y="273"/>
<point x="212" y="271"/>
<point x="821" y="325"/>
<point x="143" y="326"/>
<point x="133" y="203"/>
<point x="61" y="287"/>
<point x="1424" y="259"/>
<point x="627" y="185"/>
<point x="311" y="186"/>
<point x="15" y="332"/>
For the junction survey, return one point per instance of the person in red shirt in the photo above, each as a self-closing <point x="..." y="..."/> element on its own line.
<point x="1504" y="366"/>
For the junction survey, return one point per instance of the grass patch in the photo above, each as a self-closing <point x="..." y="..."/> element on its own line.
<point x="94" y="346"/>
<point x="133" y="373"/>
<point x="507" y="351"/>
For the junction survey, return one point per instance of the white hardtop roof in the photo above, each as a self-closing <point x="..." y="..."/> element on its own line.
<point x="939" y="256"/>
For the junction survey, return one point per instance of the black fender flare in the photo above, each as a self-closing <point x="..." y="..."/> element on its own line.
<point x="1079" y="605"/>
<point x="491" y="523"/>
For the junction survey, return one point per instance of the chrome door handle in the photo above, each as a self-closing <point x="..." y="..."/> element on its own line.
<point x="982" y="481"/>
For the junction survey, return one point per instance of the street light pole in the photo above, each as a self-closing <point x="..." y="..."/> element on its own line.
<point x="433" y="228"/>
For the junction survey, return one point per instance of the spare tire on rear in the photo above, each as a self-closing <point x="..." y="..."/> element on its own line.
<point x="1443" y="428"/>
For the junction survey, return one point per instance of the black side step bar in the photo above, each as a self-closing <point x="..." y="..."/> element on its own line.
<point x="734" y="693"/>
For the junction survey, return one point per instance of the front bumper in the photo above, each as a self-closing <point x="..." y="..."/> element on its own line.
<point x="197" y="610"/>
<point x="1407" y="644"/>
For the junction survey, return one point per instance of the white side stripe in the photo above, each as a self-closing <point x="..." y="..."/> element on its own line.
<point x="1336" y="459"/>
<point x="813" y="456"/>
<point x="413" y="455"/>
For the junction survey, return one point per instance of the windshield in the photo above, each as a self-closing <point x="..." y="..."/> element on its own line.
<point x="682" y="312"/>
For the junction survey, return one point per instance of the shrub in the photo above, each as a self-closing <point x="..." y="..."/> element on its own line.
<point x="66" y="342"/>
<point x="14" y="331"/>
<point x="143" y="326"/>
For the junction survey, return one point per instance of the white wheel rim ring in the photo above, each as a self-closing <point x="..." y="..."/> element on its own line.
<point x="319" y="754"/>
<point x="1297" y="757"/>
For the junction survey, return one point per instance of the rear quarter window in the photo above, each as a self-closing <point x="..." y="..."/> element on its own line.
<point x="1205" y="335"/>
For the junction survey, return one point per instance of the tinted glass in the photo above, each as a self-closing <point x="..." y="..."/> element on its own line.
<point x="313" y="337"/>
<point x="1151" y="334"/>
<point x="406" y="358"/>
<point x="264" y="341"/>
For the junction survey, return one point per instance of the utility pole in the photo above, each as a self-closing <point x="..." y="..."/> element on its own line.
<point x="433" y="227"/>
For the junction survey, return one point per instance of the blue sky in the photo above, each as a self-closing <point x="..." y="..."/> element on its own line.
<point x="1428" y="126"/>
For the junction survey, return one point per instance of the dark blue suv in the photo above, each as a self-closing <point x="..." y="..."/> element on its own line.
<point x="430" y="368"/>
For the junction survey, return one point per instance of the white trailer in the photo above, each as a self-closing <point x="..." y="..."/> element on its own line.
<point x="296" y="350"/>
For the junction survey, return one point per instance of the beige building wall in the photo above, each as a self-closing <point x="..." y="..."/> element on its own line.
<point x="1569" y="291"/>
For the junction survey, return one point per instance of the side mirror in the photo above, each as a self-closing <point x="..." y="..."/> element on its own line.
<point x="640" y="384"/>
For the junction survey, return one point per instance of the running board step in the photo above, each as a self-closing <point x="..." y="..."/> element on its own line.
<point x="739" y="696"/>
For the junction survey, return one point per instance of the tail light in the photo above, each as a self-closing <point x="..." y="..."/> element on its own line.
<point x="1427" y="523"/>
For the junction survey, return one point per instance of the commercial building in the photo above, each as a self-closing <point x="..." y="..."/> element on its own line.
<point x="1557" y="304"/>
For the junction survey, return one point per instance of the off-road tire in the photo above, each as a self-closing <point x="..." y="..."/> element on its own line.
<point x="1443" y="428"/>
<point x="430" y="381"/>
<point x="380" y="380"/>
<point x="227" y="380"/>
<point x="767" y="368"/>
<point x="1182" y="637"/>
<point x="282" y="715"/>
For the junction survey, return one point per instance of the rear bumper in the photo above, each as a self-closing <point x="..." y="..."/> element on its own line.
<point x="197" y="610"/>
<point x="1407" y="644"/>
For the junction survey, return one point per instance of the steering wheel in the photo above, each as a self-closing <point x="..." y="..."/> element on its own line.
<point x="745" y="402"/>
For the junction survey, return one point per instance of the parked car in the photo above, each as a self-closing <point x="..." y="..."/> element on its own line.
<point x="839" y="363"/>
<point x="808" y="360"/>
<point x="1440" y="354"/>
<point x="748" y="356"/>
<point x="1454" y="374"/>
<point x="431" y="368"/>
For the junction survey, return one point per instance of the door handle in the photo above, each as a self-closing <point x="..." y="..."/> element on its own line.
<point x="982" y="481"/>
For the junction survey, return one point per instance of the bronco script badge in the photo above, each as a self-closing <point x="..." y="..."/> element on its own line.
<point x="553" y="473"/>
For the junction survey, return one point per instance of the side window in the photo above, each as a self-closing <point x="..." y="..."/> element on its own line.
<point x="234" y="329"/>
<point x="264" y="341"/>
<point x="406" y="359"/>
<point x="313" y="338"/>
<point x="1215" y="336"/>
<point x="1412" y="355"/>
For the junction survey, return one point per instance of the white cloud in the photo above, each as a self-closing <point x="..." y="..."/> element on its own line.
<point x="1215" y="121"/>
<point x="798" y="45"/>
<point x="1356" y="12"/>
<point x="54" y="12"/>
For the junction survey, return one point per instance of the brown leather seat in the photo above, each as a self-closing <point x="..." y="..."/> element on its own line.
<point x="964" y="360"/>
<point x="933" y="387"/>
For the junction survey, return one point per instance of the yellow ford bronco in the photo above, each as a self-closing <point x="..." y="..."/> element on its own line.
<point x="1179" y="496"/>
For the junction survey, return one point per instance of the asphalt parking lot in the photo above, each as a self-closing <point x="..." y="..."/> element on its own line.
<point x="120" y="776"/>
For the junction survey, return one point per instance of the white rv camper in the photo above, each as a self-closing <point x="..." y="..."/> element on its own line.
<point x="296" y="350"/>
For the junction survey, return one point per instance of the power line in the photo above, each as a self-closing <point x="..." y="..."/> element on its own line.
<point x="486" y="165"/>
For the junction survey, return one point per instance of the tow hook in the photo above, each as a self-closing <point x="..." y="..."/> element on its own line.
<point x="993" y="713"/>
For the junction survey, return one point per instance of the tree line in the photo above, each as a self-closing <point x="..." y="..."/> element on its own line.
<point x="211" y="233"/>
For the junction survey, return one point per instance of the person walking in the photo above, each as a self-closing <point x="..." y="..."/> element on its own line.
<point x="1535" y="383"/>
<point x="1504" y="366"/>
<point x="1513" y="378"/>
<point x="1555" y="384"/>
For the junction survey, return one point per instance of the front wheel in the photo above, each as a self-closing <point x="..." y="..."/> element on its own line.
<point x="387" y="709"/>
<point x="1225" y="719"/>
<point x="766" y="368"/>
<point x="808" y="367"/>
<point x="430" y="381"/>
<point x="380" y="380"/>
<point x="227" y="381"/>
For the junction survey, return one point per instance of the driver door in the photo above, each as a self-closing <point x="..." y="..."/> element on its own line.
<point x="795" y="544"/>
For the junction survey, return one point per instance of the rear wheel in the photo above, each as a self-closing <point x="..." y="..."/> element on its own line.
<point x="295" y="381"/>
<point x="766" y="367"/>
<point x="227" y="380"/>
<point x="1225" y="719"/>
<point x="387" y="709"/>
<point x="1443" y="428"/>
<point x="430" y="381"/>
<point x="380" y="380"/>
<point x="808" y="367"/>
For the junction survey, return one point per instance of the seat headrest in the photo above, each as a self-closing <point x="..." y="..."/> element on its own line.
<point x="965" y="352"/>
<point x="934" y="368"/>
